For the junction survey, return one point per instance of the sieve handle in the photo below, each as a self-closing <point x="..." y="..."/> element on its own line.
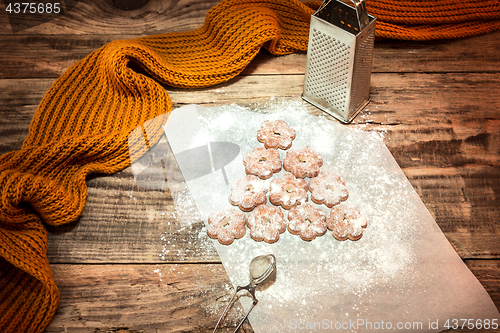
<point x="251" y="289"/>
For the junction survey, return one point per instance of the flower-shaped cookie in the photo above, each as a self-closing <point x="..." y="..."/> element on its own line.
<point x="248" y="192"/>
<point x="303" y="162"/>
<point x="346" y="221"/>
<point x="288" y="191"/>
<point x="266" y="223"/>
<point x="262" y="162"/>
<point x="328" y="189"/>
<point x="307" y="221"/>
<point x="276" y="134"/>
<point x="226" y="225"/>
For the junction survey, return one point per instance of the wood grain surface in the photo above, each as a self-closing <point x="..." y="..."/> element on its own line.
<point x="149" y="298"/>
<point x="127" y="265"/>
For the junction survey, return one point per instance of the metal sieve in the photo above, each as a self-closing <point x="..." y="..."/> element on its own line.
<point x="262" y="270"/>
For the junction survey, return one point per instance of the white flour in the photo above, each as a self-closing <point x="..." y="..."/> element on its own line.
<point x="387" y="274"/>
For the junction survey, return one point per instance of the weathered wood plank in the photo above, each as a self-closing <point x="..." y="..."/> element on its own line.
<point x="94" y="17"/>
<point x="44" y="56"/>
<point x="32" y="56"/>
<point x="474" y="54"/>
<point x="123" y="223"/>
<point x="452" y="195"/>
<point x="167" y="297"/>
<point x="488" y="273"/>
<point x="397" y="99"/>
<point x="18" y="103"/>
<point x="443" y="130"/>
<point x="142" y="298"/>
<point x="441" y="107"/>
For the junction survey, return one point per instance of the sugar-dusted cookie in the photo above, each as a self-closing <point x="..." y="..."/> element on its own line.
<point x="262" y="162"/>
<point x="307" y="221"/>
<point x="276" y="134"/>
<point x="346" y="221"/>
<point x="328" y="189"/>
<point x="288" y="191"/>
<point x="226" y="225"/>
<point x="303" y="162"/>
<point x="266" y="223"/>
<point x="248" y="192"/>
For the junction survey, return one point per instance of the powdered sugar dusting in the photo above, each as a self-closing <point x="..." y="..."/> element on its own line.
<point x="356" y="156"/>
<point x="326" y="277"/>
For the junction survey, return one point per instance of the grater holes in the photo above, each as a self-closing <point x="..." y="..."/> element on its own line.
<point x="361" y="80"/>
<point x="328" y="69"/>
<point x="328" y="75"/>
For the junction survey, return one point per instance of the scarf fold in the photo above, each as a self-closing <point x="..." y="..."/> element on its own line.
<point x="83" y="122"/>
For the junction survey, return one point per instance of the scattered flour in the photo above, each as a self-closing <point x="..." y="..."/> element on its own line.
<point x="315" y="276"/>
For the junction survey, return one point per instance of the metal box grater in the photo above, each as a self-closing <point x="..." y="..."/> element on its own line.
<point x="339" y="58"/>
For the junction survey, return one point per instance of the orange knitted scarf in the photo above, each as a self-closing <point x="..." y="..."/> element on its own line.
<point x="82" y="124"/>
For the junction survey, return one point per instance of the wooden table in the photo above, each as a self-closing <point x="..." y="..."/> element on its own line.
<point x="127" y="266"/>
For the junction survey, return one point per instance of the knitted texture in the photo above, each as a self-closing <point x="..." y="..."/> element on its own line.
<point x="83" y="122"/>
<point x="438" y="19"/>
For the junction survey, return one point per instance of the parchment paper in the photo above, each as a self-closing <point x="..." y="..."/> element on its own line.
<point x="402" y="275"/>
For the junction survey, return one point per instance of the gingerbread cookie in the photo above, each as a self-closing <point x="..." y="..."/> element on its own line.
<point x="303" y="162"/>
<point x="248" y="192"/>
<point x="262" y="162"/>
<point x="346" y="221"/>
<point x="328" y="189"/>
<point x="288" y="191"/>
<point x="266" y="223"/>
<point x="226" y="225"/>
<point x="307" y="221"/>
<point x="276" y="134"/>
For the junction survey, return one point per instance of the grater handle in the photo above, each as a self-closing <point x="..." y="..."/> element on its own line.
<point x="361" y="12"/>
<point x="359" y="7"/>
